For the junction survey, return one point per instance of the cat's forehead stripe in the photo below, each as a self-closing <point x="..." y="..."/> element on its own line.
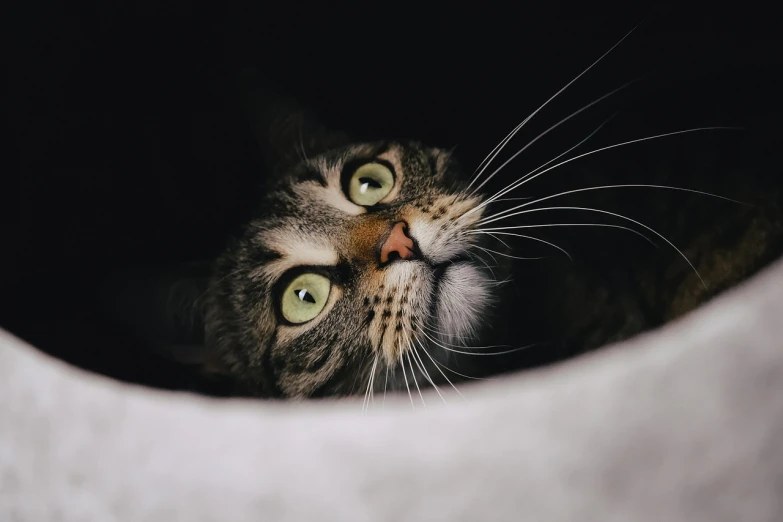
<point x="297" y="248"/>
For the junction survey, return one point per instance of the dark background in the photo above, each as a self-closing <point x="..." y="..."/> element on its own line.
<point x="127" y="148"/>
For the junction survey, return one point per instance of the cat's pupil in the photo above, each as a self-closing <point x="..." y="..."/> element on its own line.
<point x="304" y="295"/>
<point x="367" y="183"/>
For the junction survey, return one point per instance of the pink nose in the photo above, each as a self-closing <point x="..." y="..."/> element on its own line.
<point x="398" y="245"/>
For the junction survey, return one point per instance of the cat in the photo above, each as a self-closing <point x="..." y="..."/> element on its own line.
<point x="375" y="267"/>
<point x="359" y="255"/>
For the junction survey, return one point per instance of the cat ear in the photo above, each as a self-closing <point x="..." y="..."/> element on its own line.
<point x="286" y="132"/>
<point x="163" y="309"/>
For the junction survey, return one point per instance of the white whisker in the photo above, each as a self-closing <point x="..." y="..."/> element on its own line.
<point x="528" y="198"/>
<point x="433" y="330"/>
<point x="488" y="252"/>
<point x="499" y="215"/>
<point x="508" y="255"/>
<point x="372" y="382"/>
<point x="553" y="127"/>
<point x="421" y="365"/>
<point x="357" y="375"/>
<point x="493" y="236"/>
<point x="441" y="365"/>
<point x="438" y="332"/>
<point x="491" y="156"/>
<point x="495" y="151"/>
<point x="627" y="219"/>
<point x="477" y="353"/>
<point x="437" y="367"/>
<point x="405" y="377"/>
<point x="484" y="231"/>
<point x="367" y="393"/>
<point x="504" y="281"/>
<point x="477" y="256"/>
<point x="526" y="179"/>
<point x="495" y="230"/>
<point x="495" y="199"/>
<point x="385" y="382"/>
<point x="413" y="373"/>
<point x="543" y="165"/>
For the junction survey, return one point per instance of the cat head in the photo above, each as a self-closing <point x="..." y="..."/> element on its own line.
<point x="359" y="259"/>
<point x="359" y="269"/>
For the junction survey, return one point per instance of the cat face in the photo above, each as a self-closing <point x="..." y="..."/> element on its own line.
<point x="357" y="271"/>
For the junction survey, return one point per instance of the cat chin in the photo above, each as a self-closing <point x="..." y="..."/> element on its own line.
<point x="462" y="298"/>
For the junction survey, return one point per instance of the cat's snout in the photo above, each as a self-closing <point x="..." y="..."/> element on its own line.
<point x="397" y="245"/>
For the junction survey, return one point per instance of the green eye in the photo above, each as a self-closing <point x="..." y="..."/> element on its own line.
<point x="370" y="183"/>
<point x="305" y="297"/>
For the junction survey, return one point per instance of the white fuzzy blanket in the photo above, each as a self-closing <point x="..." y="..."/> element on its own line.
<point x="684" y="424"/>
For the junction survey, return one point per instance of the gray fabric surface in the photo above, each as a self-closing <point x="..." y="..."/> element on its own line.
<point x="684" y="424"/>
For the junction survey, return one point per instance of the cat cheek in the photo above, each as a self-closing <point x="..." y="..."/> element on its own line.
<point x="464" y="295"/>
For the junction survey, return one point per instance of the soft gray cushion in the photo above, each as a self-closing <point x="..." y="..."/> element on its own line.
<point x="683" y="424"/>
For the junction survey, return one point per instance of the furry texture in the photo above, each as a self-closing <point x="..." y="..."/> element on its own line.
<point x="378" y="315"/>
